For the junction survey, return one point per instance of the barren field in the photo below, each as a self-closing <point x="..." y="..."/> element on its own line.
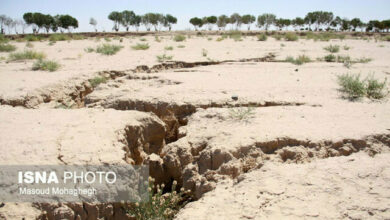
<point x="248" y="133"/>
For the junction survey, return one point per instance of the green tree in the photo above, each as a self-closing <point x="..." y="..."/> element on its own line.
<point x="336" y="23"/>
<point x="248" y="20"/>
<point x="126" y="18"/>
<point x="345" y="24"/>
<point x="386" y="24"/>
<point x="197" y="22"/>
<point x="266" y="20"/>
<point x="298" y="22"/>
<point x="356" y="23"/>
<point x="236" y="19"/>
<point x="93" y="22"/>
<point x="310" y="19"/>
<point x="116" y="17"/>
<point x="67" y="22"/>
<point x="222" y="21"/>
<point x="211" y="21"/>
<point x="136" y="22"/>
<point x="48" y="22"/>
<point x="169" y="20"/>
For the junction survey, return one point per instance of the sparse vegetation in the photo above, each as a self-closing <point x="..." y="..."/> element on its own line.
<point x="290" y="37"/>
<point x="157" y="39"/>
<point x="89" y="50"/>
<point x="46" y="65"/>
<point x="108" y="49"/>
<point x="7" y="47"/>
<point x="181" y="46"/>
<point x="261" y="37"/>
<point x="107" y="39"/>
<point x="241" y="113"/>
<point x="26" y="55"/>
<point x="140" y="46"/>
<point x="346" y="47"/>
<point x="59" y="37"/>
<point x="354" y="87"/>
<point x="301" y="59"/>
<point x="168" y="48"/>
<point x="204" y="52"/>
<point x="330" y="58"/>
<point x="97" y="80"/>
<point x="29" y="45"/>
<point x="163" y="58"/>
<point x="332" y="48"/>
<point x="143" y="39"/>
<point x="159" y="205"/>
<point x="179" y="38"/>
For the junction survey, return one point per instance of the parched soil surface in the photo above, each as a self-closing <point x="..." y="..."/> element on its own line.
<point x="250" y="136"/>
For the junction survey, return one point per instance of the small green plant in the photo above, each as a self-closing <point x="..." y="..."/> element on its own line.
<point x="97" y="80"/>
<point x="107" y="39"/>
<point x="143" y="39"/>
<point x="204" y="52"/>
<point x="277" y="36"/>
<point x="346" y="47"/>
<point x="363" y="60"/>
<point x="32" y="38"/>
<point x="179" y="38"/>
<point x="181" y="46"/>
<point x="301" y="59"/>
<point x="29" y="45"/>
<point x="220" y="39"/>
<point x="352" y="86"/>
<point x="332" y="48"/>
<point x="157" y="39"/>
<point x="7" y="47"/>
<point x="3" y="39"/>
<point x="89" y="50"/>
<point x="290" y="37"/>
<point x="282" y="45"/>
<point x="26" y="55"/>
<point x="375" y="89"/>
<point x="330" y="58"/>
<point x="235" y="35"/>
<point x="108" y="49"/>
<point x="168" y="48"/>
<point x="261" y="37"/>
<point x="386" y="38"/>
<point x="139" y="46"/>
<point x="241" y="113"/>
<point x="355" y="88"/>
<point x="51" y="43"/>
<point x="46" y="65"/>
<point x="210" y="39"/>
<point x="59" y="37"/>
<point x="159" y="205"/>
<point x="163" y="58"/>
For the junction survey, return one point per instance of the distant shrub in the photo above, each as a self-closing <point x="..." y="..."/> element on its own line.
<point x="168" y="48"/>
<point x="143" y="39"/>
<point x="220" y="39"/>
<point x="97" y="80"/>
<point x="108" y="49"/>
<point x="241" y="113"/>
<point x="78" y="37"/>
<point x="277" y="36"/>
<point x="140" y="47"/>
<point x="261" y="37"/>
<point x="107" y="39"/>
<point x="330" y="58"/>
<point x="157" y="39"/>
<point x="301" y="59"/>
<point x="386" y="38"/>
<point x="363" y="60"/>
<point x="7" y="47"/>
<point x="332" y="48"/>
<point x="59" y="37"/>
<point x="46" y="65"/>
<point x="179" y="38"/>
<point x="204" y="52"/>
<point x="235" y="35"/>
<point x="181" y="46"/>
<point x="3" y="39"/>
<point x="163" y="58"/>
<point x="290" y="37"/>
<point x="346" y="47"/>
<point x="32" y="38"/>
<point x="29" y="45"/>
<point x="355" y="88"/>
<point x="89" y="50"/>
<point x="26" y="55"/>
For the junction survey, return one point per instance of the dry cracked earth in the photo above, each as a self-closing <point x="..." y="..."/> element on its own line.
<point x="250" y="136"/>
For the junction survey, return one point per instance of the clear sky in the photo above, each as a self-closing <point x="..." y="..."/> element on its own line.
<point x="185" y="9"/>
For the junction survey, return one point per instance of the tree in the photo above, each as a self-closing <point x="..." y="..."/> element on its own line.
<point x="28" y="18"/>
<point x="48" y="22"/>
<point x="9" y="23"/>
<point x="126" y="18"/>
<point x="136" y="22"/>
<point x="356" y="23"/>
<point x="169" y="20"/>
<point x="197" y="22"/>
<point x="212" y="20"/>
<point x="93" y="22"/>
<point x="248" y="20"/>
<point x="222" y="21"/>
<point x="67" y="22"/>
<point x="266" y="20"/>
<point x="386" y="24"/>
<point x="2" y="21"/>
<point x="336" y="23"/>
<point x="281" y="23"/>
<point x="56" y="23"/>
<point x="116" y="17"/>
<point x="236" y="19"/>
<point x="145" y="20"/>
<point x="298" y="23"/>
<point x="310" y="19"/>
<point x="345" y="24"/>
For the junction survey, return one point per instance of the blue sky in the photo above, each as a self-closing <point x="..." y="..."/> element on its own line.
<point x="185" y="9"/>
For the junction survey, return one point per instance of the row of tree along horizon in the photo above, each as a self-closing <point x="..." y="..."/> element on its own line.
<point x="313" y="21"/>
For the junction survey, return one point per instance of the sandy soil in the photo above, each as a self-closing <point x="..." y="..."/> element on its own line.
<point x="251" y="140"/>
